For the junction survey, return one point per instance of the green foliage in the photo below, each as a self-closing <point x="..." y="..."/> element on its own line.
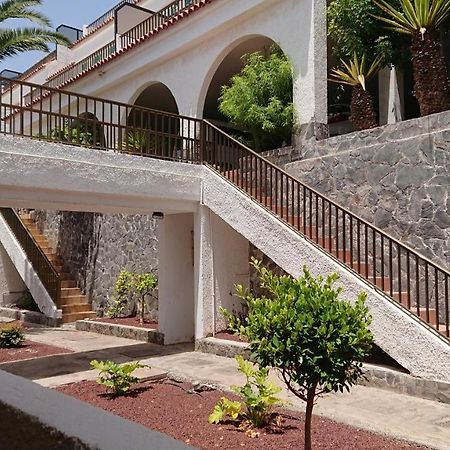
<point x="260" y="98"/>
<point x="129" y="284"/>
<point x="355" y="72"/>
<point x="304" y="330"/>
<point x="117" y="378"/>
<point x="140" y="141"/>
<point x="258" y="393"/>
<point x="11" y="336"/>
<point x="14" y="41"/>
<point x="410" y="17"/>
<point x="354" y="29"/>
<point x="75" y="134"/>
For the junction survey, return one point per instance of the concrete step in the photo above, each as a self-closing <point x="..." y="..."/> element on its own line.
<point x="73" y="317"/>
<point x="70" y="292"/>
<point x="76" y="308"/>
<point x="73" y="300"/>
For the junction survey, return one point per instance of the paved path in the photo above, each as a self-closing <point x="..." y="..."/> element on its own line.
<point x="395" y="415"/>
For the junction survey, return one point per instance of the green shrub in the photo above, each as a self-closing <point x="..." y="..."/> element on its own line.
<point x="304" y="330"/>
<point x="258" y="394"/>
<point x="11" y="336"/>
<point x="117" y="378"/>
<point x="129" y="284"/>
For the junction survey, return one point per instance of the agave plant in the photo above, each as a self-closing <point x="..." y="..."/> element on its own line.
<point x="356" y="73"/>
<point x="421" y="20"/>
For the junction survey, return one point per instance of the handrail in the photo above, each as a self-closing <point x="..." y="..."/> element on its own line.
<point x="41" y="264"/>
<point x="396" y="270"/>
<point x="106" y="16"/>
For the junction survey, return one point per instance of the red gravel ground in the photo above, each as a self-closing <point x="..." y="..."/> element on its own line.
<point x="170" y="409"/>
<point x="229" y="336"/>
<point x="29" y="350"/>
<point x="129" y="321"/>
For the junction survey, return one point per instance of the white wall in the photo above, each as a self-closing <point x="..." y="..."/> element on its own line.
<point x="15" y="287"/>
<point x="176" y="278"/>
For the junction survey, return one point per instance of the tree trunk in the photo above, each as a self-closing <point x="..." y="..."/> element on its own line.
<point x="363" y="111"/>
<point x="309" y="408"/>
<point x="142" y="309"/>
<point x="431" y="83"/>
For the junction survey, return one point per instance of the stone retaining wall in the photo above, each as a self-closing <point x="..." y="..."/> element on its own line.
<point x="96" y="247"/>
<point x="396" y="177"/>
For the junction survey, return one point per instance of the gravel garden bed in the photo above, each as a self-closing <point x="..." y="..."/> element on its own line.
<point x="30" y="350"/>
<point x="171" y="409"/>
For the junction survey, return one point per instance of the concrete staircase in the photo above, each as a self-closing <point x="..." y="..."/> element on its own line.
<point x="320" y="238"/>
<point x="74" y="305"/>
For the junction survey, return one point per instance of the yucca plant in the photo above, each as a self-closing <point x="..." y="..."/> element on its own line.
<point x="421" y="20"/>
<point x="18" y="40"/>
<point x="357" y="73"/>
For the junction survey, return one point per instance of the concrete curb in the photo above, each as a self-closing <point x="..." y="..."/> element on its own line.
<point x="79" y="425"/>
<point x="26" y="316"/>
<point x="375" y="376"/>
<point x="122" y="331"/>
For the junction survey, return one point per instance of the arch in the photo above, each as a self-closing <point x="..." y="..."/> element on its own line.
<point x="153" y="132"/>
<point x="245" y="44"/>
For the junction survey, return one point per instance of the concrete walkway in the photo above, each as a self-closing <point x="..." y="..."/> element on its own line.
<point x="394" y="415"/>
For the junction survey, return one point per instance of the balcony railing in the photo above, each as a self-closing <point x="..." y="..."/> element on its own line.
<point x="396" y="271"/>
<point x="41" y="264"/>
<point x="105" y="17"/>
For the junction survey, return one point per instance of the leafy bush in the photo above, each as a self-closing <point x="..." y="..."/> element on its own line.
<point x="129" y="284"/>
<point x="260" y="99"/>
<point x="314" y="339"/>
<point x="11" y="336"/>
<point x="115" y="377"/>
<point x="258" y="394"/>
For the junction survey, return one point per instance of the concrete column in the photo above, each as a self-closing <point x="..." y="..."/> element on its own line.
<point x="176" y="278"/>
<point x="222" y="260"/>
<point x="390" y="94"/>
<point x="14" y="285"/>
<point x="310" y="72"/>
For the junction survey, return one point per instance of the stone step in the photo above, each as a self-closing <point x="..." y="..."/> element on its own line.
<point x="73" y="317"/>
<point x="73" y="299"/>
<point x="76" y="308"/>
<point x="70" y="292"/>
<point x="65" y="276"/>
<point x="68" y="284"/>
<point x="25" y="216"/>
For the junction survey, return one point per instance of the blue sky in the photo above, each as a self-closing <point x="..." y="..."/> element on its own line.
<point x="75" y="13"/>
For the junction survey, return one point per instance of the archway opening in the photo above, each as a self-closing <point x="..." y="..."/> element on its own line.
<point x="152" y="125"/>
<point x="231" y="65"/>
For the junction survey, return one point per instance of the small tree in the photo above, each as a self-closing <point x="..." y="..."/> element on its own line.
<point x="316" y="341"/>
<point x="260" y="98"/>
<point x="131" y="284"/>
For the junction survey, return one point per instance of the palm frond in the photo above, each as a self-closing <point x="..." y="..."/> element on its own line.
<point x="419" y="15"/>
<point x="354" y="72"/>
<point x="20" y="9"/>
<point x="14" y="41"/>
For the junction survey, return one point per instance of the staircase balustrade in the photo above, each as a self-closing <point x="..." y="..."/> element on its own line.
<point x="398" y="272"/>
<point x="38" y="259"/>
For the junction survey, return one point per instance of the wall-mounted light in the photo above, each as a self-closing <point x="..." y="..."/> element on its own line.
<point x="158" y="215"/>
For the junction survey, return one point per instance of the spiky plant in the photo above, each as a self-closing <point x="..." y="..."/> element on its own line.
<point x="421" y="20"/>
<point x="18" y="40"/>
<point x="356" y="73"/>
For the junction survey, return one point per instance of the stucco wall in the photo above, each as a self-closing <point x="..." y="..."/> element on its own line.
<point x="96" y="247"/>
<point x="397" y="177"/>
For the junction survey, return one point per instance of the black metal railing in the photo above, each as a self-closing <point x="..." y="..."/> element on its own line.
<point x="399" y="272"/>
<point x="156" y="20"/>
<point x="38" y="259"/>
<point x="108" y="15"/>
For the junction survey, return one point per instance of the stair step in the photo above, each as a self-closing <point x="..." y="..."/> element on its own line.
<point x="25" y="216"/>
<point x="68" y="284"/>
<point x="73" y="317"/>
<point x="76" y="308"/>
<point x="70" y="291"/>
<point x="432" y="316"/>
<point x="74" y="299"/>
<point x="65" y="276"/>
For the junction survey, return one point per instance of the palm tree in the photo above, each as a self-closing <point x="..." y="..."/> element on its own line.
<point x="17" y="40"/>
<point x="355" y="73"/>
<point x="421" y="21"/>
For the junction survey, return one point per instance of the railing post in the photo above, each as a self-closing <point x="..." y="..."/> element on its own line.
<point x="202" y="142"/>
